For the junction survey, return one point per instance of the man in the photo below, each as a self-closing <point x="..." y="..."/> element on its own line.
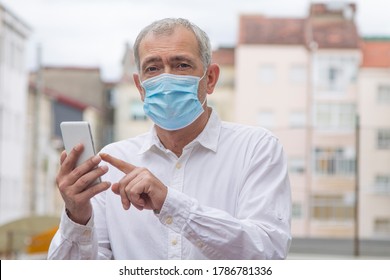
<point x="193" y="187"/>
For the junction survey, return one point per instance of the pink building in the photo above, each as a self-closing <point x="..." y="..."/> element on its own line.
<point x="298" y="78"/>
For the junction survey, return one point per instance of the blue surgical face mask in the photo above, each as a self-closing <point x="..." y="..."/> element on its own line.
<point x="171" y="101"/>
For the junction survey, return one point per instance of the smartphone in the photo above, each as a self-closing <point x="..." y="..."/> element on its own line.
<point x="74" y="133"/>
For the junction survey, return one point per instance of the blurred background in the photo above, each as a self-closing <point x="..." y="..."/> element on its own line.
<point x="315" y="73"/>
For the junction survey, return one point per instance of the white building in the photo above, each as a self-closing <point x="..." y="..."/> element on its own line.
<point x="13" y="95"/>
<point x="129" y="117"/>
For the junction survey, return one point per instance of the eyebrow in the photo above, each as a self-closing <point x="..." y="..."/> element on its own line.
<point x="182" y="58"/>
<point x="174" y="58"/>
<point x="151" y="59"/>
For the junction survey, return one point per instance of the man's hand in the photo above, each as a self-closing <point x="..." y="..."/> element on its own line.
<point x="138" y="187"/>
<point x="74" y="184"/>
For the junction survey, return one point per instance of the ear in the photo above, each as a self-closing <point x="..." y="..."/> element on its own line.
<point x="137" y="83"/>
<point x="212" y="77"/>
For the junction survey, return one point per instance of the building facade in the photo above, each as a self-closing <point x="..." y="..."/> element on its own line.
<point x="129" y="117"/>
<point x="13" y="93"/>
<point x="334" y="50"/>
<point x="222" y="99"/>
<point x="299" y="78"/>
<point x="272" y="74"/>
<point x="374" y="110"/>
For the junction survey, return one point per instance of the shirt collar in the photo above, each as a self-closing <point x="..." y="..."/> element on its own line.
<point x="208" y="138"/>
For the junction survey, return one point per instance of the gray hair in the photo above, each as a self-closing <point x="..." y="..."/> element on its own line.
<point x="167" y="26"/>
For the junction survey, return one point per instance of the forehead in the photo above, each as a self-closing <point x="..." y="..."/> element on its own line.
<point x="180" y="41"/>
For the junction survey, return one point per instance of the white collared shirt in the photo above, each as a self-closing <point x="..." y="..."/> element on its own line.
<point x="228" y="198"/>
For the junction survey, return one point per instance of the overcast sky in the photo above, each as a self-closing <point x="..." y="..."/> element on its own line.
<point x="93" y="33"/>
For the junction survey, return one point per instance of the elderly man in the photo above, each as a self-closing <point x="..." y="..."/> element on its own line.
<point x="194" y="187"/>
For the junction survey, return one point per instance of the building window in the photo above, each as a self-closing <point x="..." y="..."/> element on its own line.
<point x="332" y="208"/>
<point x="382" y="184"/>
<point x="331" y="75"/>
<point x="267" y="73"/>
<point x="266" y="119"/>
<point x="334" y="161"/>
<point x="383" y="94"/>
<point x="137" y="111"/>
<point x="382" y="226"/>
<point x="383" y="139"/>
<point x="296" y="211"/>
<point x="334" y="77"/>
<point x="298" y="74"/>
<point x="296" y="165"/>
<point x="336" y="72"/>
<point x="335" y="116"/>
<point x="297" y="119"/>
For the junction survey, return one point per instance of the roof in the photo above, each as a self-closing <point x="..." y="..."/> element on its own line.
<point x="73" y="68"/>
<point x="335" y="35"/>
<point x="61" y="97"/>
<point x="258" y="29"/>
<point x="334" y="9"/>
<point x="223" y="56"/>
<point x="330" y="26"/>
<point x="78" y="83"/>
<point x="376" y="52"/>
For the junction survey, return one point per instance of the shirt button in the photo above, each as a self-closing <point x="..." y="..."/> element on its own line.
<point x="200" y="244"/>
<point x="174" y="242"/>
<point x="168" y="220"/>
<point x="178" y="165"/>
<point x="87" y="233"/>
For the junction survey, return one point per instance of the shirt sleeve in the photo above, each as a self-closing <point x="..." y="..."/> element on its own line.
<point x="73" y="241"/>
<point x="259" y="229"/>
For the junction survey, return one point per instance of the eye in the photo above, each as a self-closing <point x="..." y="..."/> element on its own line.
<point x="183" y="66"/>
<point x="151" y="69"/>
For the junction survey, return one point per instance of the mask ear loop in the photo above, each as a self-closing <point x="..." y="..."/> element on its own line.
<point x="143" y="93"/>
<point x="204" y="74"/>
<point x="204" y="101"/>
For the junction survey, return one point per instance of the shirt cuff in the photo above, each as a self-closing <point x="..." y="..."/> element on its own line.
<point x="175" y="210"/>
<point x="75" y="232"/>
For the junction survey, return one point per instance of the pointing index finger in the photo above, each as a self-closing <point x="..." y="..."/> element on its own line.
<point x="120" y="164"/>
